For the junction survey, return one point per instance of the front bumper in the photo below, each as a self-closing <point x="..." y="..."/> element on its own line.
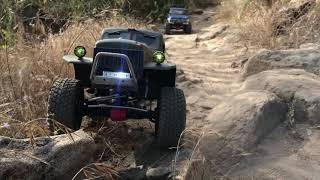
<point x="179" y="22"/>
<point x="102" y="80"/>
<point x="178" y="25"/>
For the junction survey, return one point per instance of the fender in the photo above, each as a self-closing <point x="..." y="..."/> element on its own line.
<point x="159" y="75"/>
<point x="72" y="59"/>
<point x="82" y="68"/>
<point x="160" y="67"/>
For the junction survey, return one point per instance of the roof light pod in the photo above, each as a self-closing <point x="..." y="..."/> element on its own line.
<point x="159" y="57"/>
<point x="80" y="51"/>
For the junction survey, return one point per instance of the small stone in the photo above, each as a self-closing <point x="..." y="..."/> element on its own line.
<point x="158" y="173"/>
<point x="309" y="132"/>
<point x="178" y="178"/>
<point x="192" y="99"/>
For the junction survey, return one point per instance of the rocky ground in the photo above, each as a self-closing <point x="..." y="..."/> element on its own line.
<point x="259" y="115"/>
<point x="248" y="118"/>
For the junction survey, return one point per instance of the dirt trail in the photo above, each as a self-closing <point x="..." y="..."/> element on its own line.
<point x="204" y="60"/>
<point x="206" y="76"/>
<point x="209" y="63"/>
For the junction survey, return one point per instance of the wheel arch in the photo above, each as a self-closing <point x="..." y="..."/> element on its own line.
<point x="159" y="76"/>
<point x="82" y="68"/>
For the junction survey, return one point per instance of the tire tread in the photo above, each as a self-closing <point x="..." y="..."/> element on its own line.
<point x="171" y="117"/>
<point x="63" y="103"/>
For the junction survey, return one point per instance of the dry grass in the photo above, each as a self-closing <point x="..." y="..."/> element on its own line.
<point x="259" y="24"/>
<point x="97" y="171"/>
<point x="28" y="70"/>
<point x="229" y="10"/>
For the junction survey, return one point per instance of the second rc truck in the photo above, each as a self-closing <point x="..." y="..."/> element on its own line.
<point x="127" y="78"/>
<point x="178" y="19"/>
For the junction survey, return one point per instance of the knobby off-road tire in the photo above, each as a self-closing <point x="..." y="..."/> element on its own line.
<point x="65" y="103"/>
<point x="171" y="120"/>
<point x="188" y="29"/>
<point x="167" y="29"/>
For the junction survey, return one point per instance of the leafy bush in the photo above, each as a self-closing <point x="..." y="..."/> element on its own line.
<point x="53" y="14"/>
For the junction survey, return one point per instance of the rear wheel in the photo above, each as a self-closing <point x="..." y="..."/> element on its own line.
<point x="65" y="104"/>
<point x="188" y="29"/>
<point x="171" y="120"/>
<point x="168" y="29"/>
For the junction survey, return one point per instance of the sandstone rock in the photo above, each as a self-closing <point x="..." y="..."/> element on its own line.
<point x="283" y="155"/>
<point x="307" y="59"/>
<point x="238" y="124"/>
<point x="300" y="88"/>
<point x="309" y="46"/>
<point x="57" y="157"/>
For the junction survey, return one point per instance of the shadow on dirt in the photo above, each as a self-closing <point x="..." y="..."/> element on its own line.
<point x="153" y="163"/>
<point x="131" y="148"/>
<point x="179" y="32"/>
<point x="151" y="156"/>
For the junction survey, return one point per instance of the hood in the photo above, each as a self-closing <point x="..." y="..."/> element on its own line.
<point x="123" y="45"/>
<point x="175" y="16"/>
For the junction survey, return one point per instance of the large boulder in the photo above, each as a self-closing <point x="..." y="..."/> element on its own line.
<point x="296" y="87"/>
<point x="306" y="58"/>
<point x="57" y="157"/>
<point x="237" y="125"/>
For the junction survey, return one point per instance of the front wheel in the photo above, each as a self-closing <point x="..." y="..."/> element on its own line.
<point x="64" y="105"/>
<point x="171" y="120"/>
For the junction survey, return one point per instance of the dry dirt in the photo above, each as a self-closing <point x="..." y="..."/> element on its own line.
<point x="205" y="60"/>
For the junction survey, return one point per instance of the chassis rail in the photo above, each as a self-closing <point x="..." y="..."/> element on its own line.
<point x="118" y="107"/>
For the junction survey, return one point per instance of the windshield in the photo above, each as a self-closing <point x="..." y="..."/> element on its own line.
<point x="152" y="42"/>
<point x="178" y="11"/>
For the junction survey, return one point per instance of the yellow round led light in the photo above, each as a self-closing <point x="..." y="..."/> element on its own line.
<point x="80" y="51"/>
<point x="159" y="57"/>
